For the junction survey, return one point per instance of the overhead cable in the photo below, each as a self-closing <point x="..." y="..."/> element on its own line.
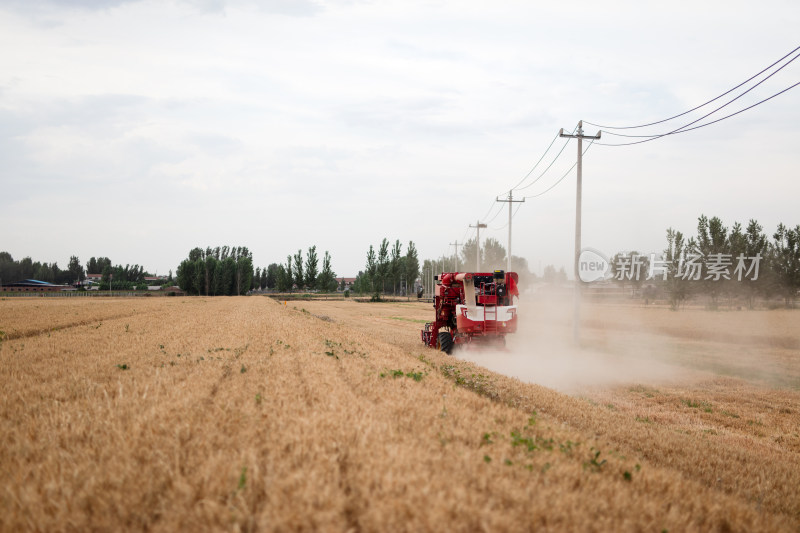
<point x="537" y="163"/>
<point x="562" y="177"/>
<point x="698" y="107"/>
<point x="545" y="170"/>
<point x="504" y="226"/>
<point x="684" y="129"/>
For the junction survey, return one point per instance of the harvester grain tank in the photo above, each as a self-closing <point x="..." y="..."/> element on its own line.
<point x="472" y="309"/>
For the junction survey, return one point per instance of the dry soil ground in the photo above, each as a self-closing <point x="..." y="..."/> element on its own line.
<point x="245" y="414"/>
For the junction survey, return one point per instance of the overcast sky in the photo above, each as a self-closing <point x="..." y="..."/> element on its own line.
<point x="140" y="129"/>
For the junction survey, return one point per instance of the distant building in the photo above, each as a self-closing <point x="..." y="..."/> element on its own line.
<point x="33" y="285"/>
<point x="348" y="283"/>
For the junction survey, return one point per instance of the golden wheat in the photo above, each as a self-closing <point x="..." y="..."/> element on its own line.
<point x="245" y="414"/>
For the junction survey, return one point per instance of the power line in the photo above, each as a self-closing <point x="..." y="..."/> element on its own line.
<point x="548" y="167"/>
<point x="712" y="112"/>
<point x="682" y="130"/>
<point x="504" y="226"/>
<point x="701" y="105"/>
<point x="562" y="177"/>
<point x="495" y="215"/>
<point x="494" y="205"/>
<point x="742" y="110"/>
<point x="510" y="201"/>
<point x="537" y="163"/>
<point x="465" y="234"/>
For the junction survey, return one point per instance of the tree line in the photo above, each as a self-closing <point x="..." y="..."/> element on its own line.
<point x="388" y="270"/>
<point x="302" y="274"/>
<point x="12" y="270"/>
<point x="227" y="271"/>
<point x="220" y="271"/>
<point x="734" y="263"/>
<point x="121" y="277"/>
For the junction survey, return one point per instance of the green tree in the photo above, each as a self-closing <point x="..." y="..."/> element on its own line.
<point x="289" y="274"/>
<point x="45" y="273"/>
<point x="757" y="246"/>
<point x="185" y="275"/>
<point x="256" y="280"/>
<point x="244" y="272"/>
<point x="737" y="246"/>
<point x="311" y="268"/>
<point x="91" y="266"/>
<point x="371" y="273"/>
<point x="396" y="265"/>
<point x="362" y="284"/>
<point x="383" y="266"/>
<point x="209" y="270"/>
<point x="281" y="279"/>
<point x="674" y="257"/>
<point x="273" y="270"/>
<point x="229" y="276"/>
<point x="200" y="276"/>
<point x="96" y="265"/>
<point x="411" y="266"/>
<point x="713" y="245"/>
<point x="785" y="262"/>
<point x="327" y="278"/>
<point x="9" y="269"/>
<point x="25" y="268"/>
<point x="299" y="279"/>
<point x="107" y="274"/>
<point x="219" y="278"/>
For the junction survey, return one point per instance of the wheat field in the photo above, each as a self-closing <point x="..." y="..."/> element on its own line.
<point x="245" y="414"/>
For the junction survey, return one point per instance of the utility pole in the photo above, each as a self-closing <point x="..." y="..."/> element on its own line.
<point x="456" y="245"/>
<point x="577" y="292"/>
<point x="510" y="201"/>
<point x="478" y="243"/>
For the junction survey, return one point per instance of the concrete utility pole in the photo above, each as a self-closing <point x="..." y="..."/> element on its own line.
<point x="576" y="335"/>
<point x="478" y="244"/>
<point x="456" y="245"/>
<point x="510" y="201"/>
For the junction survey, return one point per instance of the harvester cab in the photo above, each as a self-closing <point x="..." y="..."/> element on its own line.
<point x="472" y="308"/>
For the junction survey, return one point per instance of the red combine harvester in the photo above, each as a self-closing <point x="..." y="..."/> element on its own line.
<point x="472" y="308"/>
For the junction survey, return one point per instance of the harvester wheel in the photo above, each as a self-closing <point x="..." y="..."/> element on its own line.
<point x="445" y="342"/>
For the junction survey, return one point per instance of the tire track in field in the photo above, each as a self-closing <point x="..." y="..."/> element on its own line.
<point x="35" y="332"/>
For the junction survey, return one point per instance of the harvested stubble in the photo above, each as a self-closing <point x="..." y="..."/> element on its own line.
<point x="241" y="413"/>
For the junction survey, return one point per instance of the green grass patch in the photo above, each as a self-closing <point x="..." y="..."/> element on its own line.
<point x="415" y="320"/>
<point x="416" y="376"/>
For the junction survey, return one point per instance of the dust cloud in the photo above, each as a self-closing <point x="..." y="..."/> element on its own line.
<point x="543" y="350"/>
